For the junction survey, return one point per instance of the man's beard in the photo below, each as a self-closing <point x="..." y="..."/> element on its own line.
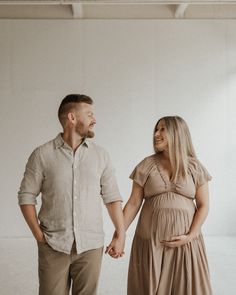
<point x="84" y="133"/>
<point x="90" y="134"/>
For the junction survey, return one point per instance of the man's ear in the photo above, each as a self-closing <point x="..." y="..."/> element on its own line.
<point x="71" y="117"/>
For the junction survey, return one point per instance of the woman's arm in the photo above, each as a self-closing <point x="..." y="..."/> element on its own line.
<point x="133" y="205"/>
<point x="202" y="202"/>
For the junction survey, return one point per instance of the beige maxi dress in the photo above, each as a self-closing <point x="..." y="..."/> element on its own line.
<point x="168" y="211"/>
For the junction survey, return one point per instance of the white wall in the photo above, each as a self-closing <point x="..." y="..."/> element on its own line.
<point x="136" y="71"/>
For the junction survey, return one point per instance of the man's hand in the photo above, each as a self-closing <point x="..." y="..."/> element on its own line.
<point x="116" y="247"/>
<point x="30" y="215"/>
<point x="40" y="238"/>
<point x="177" y="241"/>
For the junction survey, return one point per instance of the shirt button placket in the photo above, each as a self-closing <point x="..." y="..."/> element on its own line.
<point x="75" y="197"/>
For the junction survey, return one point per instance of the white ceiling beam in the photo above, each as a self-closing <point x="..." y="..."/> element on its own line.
<point x="77" y="10"/>
<point x="180" y="10"/>
<point x="122" y="2"/>
<point x="162" y="2"/>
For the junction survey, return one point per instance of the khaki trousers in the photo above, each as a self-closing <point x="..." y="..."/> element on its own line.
<point x="56" y="271"/>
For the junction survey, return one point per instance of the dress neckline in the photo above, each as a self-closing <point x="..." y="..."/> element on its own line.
<point x="164" y="174"/>
<point x="161" y="169"/>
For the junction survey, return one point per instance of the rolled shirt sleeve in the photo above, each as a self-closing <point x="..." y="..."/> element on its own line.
<point x="31" y="183"/>
<point x="109" y="188"/>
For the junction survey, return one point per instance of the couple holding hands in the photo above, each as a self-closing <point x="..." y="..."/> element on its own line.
<point x="73" y="173"/>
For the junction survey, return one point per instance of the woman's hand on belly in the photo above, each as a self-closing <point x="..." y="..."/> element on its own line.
<point x="177" y="241"/>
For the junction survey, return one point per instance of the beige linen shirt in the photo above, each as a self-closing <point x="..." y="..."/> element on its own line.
<point x="71" y="187"/>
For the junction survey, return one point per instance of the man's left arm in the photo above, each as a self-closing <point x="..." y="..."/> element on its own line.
<point x="116" y="247"/>
<point x="112" y="199"/>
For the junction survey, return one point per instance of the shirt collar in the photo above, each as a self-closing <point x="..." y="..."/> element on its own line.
<point x="59" y="142"/>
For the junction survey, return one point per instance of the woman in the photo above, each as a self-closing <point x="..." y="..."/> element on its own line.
<point x="168" y="253"/>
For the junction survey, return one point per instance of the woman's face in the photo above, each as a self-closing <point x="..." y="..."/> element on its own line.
<point x="161" y="141"/>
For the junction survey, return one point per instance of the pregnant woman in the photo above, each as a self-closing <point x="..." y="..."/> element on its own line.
<point x="168" y="253"/>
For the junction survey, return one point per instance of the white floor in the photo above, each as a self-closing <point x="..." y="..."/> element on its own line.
<point x="18" y="267"/>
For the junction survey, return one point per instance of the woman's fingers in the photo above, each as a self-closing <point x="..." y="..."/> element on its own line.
<point x="176" y="241"/>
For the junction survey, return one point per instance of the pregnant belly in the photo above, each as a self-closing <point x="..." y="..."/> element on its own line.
<point x="165" y="216"/>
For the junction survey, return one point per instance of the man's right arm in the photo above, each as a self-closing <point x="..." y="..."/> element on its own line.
<point x="30" y="188"/>
<point x="30" y="215"/>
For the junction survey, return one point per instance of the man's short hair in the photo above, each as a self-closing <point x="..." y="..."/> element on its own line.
<point x="69" y="102"/>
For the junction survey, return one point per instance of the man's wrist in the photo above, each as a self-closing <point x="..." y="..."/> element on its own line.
<point x="40" y="237"/>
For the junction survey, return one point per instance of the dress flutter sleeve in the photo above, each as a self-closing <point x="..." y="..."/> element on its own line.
<point x="201" y="175"/>
<point x="140" y="173"/>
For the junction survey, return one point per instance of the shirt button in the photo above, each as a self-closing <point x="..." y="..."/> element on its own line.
<point x="75" y="181"/>
<point x="74" y="214"/>
<point x="75" y="198"/>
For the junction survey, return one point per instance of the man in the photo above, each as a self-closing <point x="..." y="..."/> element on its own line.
<point x="71" y="173"/>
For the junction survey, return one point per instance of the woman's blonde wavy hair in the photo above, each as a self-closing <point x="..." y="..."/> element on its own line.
<point x="180" y="145"/>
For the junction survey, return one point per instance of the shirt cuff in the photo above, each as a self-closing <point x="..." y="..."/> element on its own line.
<point x="112" y="198"/>
<point x="26" y="199"/>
